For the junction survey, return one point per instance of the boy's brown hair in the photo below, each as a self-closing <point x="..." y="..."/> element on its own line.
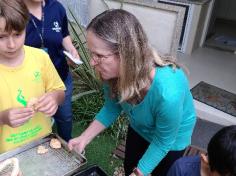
<point x="15" y="13"/>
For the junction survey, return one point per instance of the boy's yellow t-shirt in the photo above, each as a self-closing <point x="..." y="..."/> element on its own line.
<point x="34" y="77"/>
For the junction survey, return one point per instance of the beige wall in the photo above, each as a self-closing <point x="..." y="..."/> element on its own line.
<point x="161" y="22"/>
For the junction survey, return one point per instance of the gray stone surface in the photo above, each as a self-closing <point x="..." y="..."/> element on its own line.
<point x="203" y="132"/>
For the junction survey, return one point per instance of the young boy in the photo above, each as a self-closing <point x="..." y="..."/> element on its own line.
<point x="25" y="73"/>
<point x="220" y="161"/>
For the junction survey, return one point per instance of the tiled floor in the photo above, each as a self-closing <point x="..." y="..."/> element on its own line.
<point x="203" y="132"/>
<point x="215" y="67"/>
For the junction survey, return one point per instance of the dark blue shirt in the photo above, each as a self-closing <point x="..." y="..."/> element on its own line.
<point x="55" y="28"/>
<point x="186" y="166"/>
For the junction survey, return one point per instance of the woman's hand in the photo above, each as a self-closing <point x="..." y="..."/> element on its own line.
<point x="16" y="117"/>
<point x="69" y="47"/>
<point x="77" y="144"/>
<point x="75" y="55"/>
<point x="136" y="172"/>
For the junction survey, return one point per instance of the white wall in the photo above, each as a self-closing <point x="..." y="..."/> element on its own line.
<point x="79" y="9"/>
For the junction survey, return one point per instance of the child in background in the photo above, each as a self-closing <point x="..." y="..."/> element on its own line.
<point x="220" y="160"/>
<point x="25" y="73"/>
<point x="48" y="29"/>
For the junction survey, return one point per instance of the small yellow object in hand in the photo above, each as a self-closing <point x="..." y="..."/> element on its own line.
<point x="32" y="103"/>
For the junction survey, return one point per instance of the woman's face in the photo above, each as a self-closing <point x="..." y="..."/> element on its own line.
<point x="105" y="62"/>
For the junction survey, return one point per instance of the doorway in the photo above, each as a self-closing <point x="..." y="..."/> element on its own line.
<point x="221" y="33"/>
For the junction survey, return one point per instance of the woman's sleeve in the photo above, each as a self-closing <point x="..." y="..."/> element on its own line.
<point x="110" y="111"/>
<point x="168" y="119"/>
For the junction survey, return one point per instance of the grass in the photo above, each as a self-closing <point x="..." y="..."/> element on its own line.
<point x="99" y="151"/>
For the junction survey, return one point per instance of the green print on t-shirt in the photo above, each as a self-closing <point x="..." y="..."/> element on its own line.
<point x="24" y="135"/>
<point x="37" y="76"/>
<point x="20" y="98"/>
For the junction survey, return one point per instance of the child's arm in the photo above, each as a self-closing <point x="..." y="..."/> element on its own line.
<point x="15" y="117"/>
<point x="48" y="103"/>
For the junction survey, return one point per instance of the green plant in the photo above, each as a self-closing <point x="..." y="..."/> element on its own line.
<point x="86" y="107"/>
<point x="87" y="82"/>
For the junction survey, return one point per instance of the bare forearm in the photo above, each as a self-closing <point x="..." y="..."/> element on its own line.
<point x="93" y="130"/>
<point x="79" y="143"/>
<point x="67" y="44"/>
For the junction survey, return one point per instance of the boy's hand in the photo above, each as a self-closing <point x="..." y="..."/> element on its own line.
<point x="16" y="117"/>
<point x="47" y="104"/>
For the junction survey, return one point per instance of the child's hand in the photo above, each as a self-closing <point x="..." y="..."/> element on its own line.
<point x="16" y="117"/>
<point x="47" y="104"/>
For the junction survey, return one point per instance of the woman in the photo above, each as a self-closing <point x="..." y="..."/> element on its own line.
<point x="153" y="93"/>
<point x="48" y="29"/>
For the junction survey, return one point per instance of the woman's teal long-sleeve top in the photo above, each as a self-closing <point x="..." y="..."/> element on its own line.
<point x="165" y="117"/>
